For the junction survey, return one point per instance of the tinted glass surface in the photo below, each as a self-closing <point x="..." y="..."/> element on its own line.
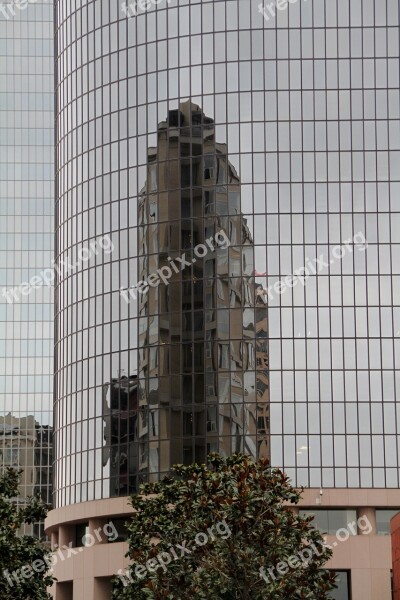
<point x="307" y="104"/>
<point x="26" y="241"/>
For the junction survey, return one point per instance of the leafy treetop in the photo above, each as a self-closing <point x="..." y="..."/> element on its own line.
<point x="18" y="553"/>
<point x="237" y="495"/>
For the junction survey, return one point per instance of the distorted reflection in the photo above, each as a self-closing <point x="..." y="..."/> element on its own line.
<point x="203" y="377"/>
<point x="121" y="434"/>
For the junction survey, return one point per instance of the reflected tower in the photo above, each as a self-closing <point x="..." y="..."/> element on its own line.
<point x="202" y="327"/>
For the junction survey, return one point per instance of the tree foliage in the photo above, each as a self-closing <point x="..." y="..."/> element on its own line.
<point x="18" y="553"/>
<point x="235" y="494"/>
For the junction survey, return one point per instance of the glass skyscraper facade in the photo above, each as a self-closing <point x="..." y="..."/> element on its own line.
<point x="332" y="140"/>
<point x="26" y="243"/>
<point x="306" y="102"/>
<point x="279" y="124"/>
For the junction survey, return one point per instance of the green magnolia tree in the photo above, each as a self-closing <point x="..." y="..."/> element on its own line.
<point x="24" y="561"/>
<point x="223" y="531"/>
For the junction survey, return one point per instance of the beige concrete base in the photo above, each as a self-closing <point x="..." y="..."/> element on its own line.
<point x="89" y="570"/>
<point x="369" y="557"/>
<point x="85" y="573"/>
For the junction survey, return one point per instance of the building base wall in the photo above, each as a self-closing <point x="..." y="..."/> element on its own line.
<point x="86" y="572"/>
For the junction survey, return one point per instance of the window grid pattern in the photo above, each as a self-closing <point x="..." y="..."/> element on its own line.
<point x="308" y="106"/>
<point x="26" y="244"/>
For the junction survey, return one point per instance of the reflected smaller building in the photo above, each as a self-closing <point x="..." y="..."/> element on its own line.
<point x="121" y="440"/>
<point x="43" y="462"/>
<point x="262" y="370"/>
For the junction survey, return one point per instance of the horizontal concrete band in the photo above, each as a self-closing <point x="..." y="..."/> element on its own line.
<point x="331" y="498"/>
<point x="347" y="498"/>
<point x="106" y="560"/>
<point x="95" y="509"/>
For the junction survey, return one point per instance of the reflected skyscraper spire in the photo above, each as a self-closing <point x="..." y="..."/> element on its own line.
<point x="203" y="329"/>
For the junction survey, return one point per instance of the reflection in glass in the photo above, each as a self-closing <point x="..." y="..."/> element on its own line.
<point x="343" y="590"/>
<point x="209" y="358"/>
<point x="121" y="434"/>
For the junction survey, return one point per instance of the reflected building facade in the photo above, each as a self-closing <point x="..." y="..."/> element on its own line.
<point x="197" y="329"/>
<point x="26" y="243"/>
<point x="120" y="413"/>
<point x="301" y="113"/>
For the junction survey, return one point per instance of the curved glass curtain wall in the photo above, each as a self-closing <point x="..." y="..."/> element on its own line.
<point x="306" y="105"/>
